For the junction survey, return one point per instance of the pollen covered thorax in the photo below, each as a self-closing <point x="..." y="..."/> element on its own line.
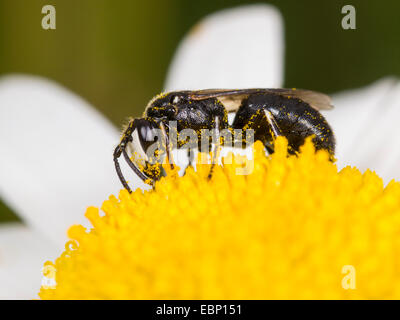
<point x="290" y="229"/>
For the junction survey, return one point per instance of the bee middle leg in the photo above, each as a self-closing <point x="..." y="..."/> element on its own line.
<point x="216" y="148"/>
<point x="168" y="149"/>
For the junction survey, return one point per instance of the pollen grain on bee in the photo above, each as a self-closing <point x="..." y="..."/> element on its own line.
<point x="202" y="139"/>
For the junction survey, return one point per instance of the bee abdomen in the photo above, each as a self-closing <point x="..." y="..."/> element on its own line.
<point x="297" y="121"/>
<point x="295" y="118"/>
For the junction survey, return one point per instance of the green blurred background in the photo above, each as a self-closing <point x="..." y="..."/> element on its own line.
<point x="115" y="54"/>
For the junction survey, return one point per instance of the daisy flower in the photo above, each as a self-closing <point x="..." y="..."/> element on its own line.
<point x="56" y="161"/>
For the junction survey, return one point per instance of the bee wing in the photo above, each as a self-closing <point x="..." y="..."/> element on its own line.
<point x="316" y="100"/>
<point x="232" y="98"/>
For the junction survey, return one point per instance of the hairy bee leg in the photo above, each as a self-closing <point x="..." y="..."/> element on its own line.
<point x="117" y="154"/>
<point x="216" y="149"/>
<point x="272" y="123"/>
<point x="263" y="115"/>
<point x="121" y="149"/>
<point x="140" y="174"/>
<point x="168" y="150"/>
<point x="274" y="129"/>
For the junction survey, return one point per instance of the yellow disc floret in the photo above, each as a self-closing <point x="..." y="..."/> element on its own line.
<point x="293" y="228"/>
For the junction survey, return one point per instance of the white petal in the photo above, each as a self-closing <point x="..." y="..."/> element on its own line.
<point x="22" y="254"/>
<point x="365" y="122"/>
<point x="56" y="154"/>
<point x="234" y="48"/>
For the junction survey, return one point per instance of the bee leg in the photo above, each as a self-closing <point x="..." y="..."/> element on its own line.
<point x="264" y="118"/>
<point x="121" y="150"/>
<point x="274" y="130"/>
<point x="117" y="154"/>
<point x="168" y="149"/>
<point x="216" y="149"/>
<point x="272" y="124"/>
<point x="190" y="158"/>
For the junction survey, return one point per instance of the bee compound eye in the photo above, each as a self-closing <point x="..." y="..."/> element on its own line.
<point x="147" y="133"/>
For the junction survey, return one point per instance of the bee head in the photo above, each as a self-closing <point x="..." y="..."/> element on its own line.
<point x="166" y="106"/>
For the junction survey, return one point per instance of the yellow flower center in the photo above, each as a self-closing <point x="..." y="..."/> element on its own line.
<point x="293" y="228"/>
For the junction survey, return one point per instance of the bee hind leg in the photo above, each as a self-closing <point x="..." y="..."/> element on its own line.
<point x="264" y="119"/>
<point x="117" y="154"/>
<point x="273" y="128"/>
<point x="216" y="148"/>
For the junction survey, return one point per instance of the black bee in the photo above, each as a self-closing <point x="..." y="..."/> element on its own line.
<point x="292" y="113"/>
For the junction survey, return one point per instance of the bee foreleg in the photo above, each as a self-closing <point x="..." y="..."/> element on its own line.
<point x="121" y="150"/>
<point x="117" y="154"/>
